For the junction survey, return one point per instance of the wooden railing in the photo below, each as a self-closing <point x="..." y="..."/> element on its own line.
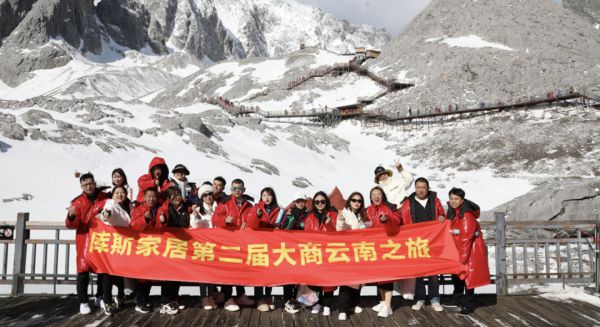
<point x="523" y="251"/>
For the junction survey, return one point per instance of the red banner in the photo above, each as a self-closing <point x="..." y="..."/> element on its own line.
<point x="269" y="258"/>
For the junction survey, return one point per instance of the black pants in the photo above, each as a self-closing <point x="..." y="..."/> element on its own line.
<point x="262" y="292"/>
<point x="169" y="291"/>
<point x="463" y="294"/>
<point x="433" y="288"/>
<point x="107" y="284"/>
<point x="207" y="289"/>
<point x="228" y="291"/>
<point x="143" y="292"/>
<point x="325" y="298"/>
<point x="348" y="299"/>
<point x="289" y="292"/>
<point x="83" y="281"/>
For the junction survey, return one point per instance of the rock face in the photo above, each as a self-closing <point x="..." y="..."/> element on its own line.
<point x="559" y="200"/>
<point x="46" y="34"/>
<point x="462" y="52"/>
<point x="589" y="9"/>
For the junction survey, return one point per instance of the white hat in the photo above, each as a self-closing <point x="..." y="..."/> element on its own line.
<point x="300" y="196"/>
<point x="205" y="188"/>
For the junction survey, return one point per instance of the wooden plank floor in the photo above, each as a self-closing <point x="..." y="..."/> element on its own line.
<point x="491" y="311"/>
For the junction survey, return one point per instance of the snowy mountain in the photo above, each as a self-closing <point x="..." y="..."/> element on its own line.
<point x="109" y="97"/>
<point x="47" y="34"/>
<point x="586" y="8"/>
<point x="464" y="52"/>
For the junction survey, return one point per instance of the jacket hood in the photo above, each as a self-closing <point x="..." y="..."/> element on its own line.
<point x="467" y="206"/>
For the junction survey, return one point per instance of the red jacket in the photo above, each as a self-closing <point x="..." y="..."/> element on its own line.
<point x="470" y="244"/>
<point x="230" y="208"/>
<point x="147" y="181"/>
<point x="81" y="223"/>
<point x="138" y="218"/>
<point x="266" y="221"/>
<point x="393" y="217"/>
<point x="311" y="222"/>
<point x="405" y="212"/>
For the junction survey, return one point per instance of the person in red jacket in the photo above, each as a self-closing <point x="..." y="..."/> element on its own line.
<point x="264" y="215"/>
<point x="323" y="218"/>
<point x="231" y="214"/>
<point x="157" y="178"/>
<point x="77" y="218"/>
<point x="421" y="206"/>
<point x="381" y="213"/>
<point x="148" y="216"/>
<point x="471" y="248"/>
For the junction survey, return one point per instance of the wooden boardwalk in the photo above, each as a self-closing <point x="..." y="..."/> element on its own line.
<point x="491" y="311"/>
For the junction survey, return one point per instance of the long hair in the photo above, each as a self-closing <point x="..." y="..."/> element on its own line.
<point x="384" y="198"/>
<point x="121" y="172"/>
<point x="271" y="192"/>
<point x="362" y="214"/>
<point x="327" y="203"/>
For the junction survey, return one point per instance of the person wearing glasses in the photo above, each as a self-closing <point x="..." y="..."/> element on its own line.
<point x="322" y="219"/>
<point x="353" y="216"/>
<point x="231" y="214"/>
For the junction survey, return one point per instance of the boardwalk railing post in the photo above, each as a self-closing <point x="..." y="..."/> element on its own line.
<point x="501" y="280"/>
<point x="597" y="241"/>
<point x="21" y="234"/>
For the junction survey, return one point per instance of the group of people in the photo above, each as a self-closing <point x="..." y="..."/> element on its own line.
<point x="173" y="201"/>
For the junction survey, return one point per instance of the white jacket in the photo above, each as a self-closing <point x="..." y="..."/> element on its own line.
<point x="347" y="219"/>
<point x="396" y="187"/>
<point x="203" y="221"/>
<point x="118" y="216"/>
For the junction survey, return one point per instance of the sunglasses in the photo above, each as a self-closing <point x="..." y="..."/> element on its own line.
<point x="209" y="193"/>
<point x="236" y="188"/>
<point x="318" y="202"/>
<point x="356" y="200"/>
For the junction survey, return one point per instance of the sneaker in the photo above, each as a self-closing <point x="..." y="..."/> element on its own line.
<point x="219" y="297"/>
<point x="409" y="296"/>
<point x="453" y="303"/>
<point x="263" y="306"/>
<point x="326" y="311"/>
<point x="143" y="308"/>
<point x="179" y="305"/>
<point x="244" y="300"/>
<point x="271" y="305"/>
<point x="118" y="302"/>
<point x="379" y="307"/>
<point x="98" y="302"/>
<point x="169" y="308"/>
<point x="315" y="309"/>
<point x="213" y="303"/>
<point x="108" y="310"/>
<point x="437" y="306"/>
<point x="84" y="309"/>
<point x="385" y="312"/>
<point x="342" y="316"/>
<point x="291" y="307"/>
<point x="464" y="311"/>
<point x="419" y="305"/>
<point x="206" y="303"/>
<point x="230" y="305"/>
<point x="358" y="309"/>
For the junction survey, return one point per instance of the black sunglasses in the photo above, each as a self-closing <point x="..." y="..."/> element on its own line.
<point x="317" y="202"/>
<point x="356" y="200"/>
<point x="208" y="193"/>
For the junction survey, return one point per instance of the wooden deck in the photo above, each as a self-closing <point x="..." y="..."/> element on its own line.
<point x="491" y="311"/>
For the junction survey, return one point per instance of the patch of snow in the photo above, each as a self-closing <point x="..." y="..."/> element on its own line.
<point x="470" y="41"/>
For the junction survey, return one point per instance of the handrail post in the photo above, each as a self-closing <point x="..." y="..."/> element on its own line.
<point x="597" y="241"/>
<point x="501" y="280"/>
<point x="21" y="234"/>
